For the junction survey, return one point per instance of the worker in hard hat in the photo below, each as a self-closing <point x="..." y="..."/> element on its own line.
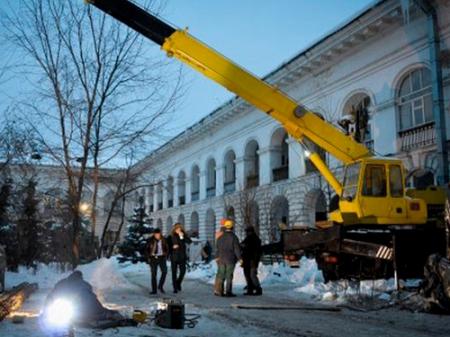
<point x="228" y="253"/>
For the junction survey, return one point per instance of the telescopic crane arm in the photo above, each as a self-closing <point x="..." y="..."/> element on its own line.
<point x="298" y="121"/>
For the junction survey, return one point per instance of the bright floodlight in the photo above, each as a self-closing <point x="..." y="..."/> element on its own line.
<point x="59" y="313"/>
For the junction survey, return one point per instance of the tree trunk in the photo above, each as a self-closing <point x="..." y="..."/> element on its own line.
<point x="13" y="299"/>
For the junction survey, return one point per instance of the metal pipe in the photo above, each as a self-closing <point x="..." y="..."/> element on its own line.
<point x="437" y="89"/>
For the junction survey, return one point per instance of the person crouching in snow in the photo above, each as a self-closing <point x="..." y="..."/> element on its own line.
<point x="157" y="257"/>
<point x="178" y="255"/>
<point x="251" y="255"/>
<point x="228" y="253"/>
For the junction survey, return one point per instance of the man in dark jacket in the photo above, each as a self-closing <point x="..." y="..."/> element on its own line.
<point x="178" y="255"/>
<point x="251" y="255"/>
<point x="228" y="253"/>
<point x="79" y="292"/>
<point x="157" y="257"/>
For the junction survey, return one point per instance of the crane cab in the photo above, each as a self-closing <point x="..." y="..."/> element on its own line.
<point x="374" y="193"/>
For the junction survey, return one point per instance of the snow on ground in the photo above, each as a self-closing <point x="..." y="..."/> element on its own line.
<point x="125" y="287"/>
<point x="308" y="282"/>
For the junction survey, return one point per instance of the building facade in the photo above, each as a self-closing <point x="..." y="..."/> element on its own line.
<point x="238" y="162"/>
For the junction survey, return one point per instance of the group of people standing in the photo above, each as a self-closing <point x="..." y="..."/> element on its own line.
<point x="160" y="249"/>
<point x="228" y="253"/>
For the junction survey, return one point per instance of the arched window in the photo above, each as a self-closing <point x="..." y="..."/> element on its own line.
<point x="279" y="157"/>
<point x="210" y="226"/>
<point x="168" y="227"/>
<point x="414" y="99"/>
<point x="279" y="217"/>
<point x="194" y="225"/>
<point x="170" y="192"/>
<point x="230" y="172"/>
<point x="181" y="188"/>
<point x="195" y="183"/>
<point x="356" y="118"/>
<point x="150" y="192"/>
<point x="251" y="164"/>
<point x="159" y="196"/>
<point x="211" y="178"/>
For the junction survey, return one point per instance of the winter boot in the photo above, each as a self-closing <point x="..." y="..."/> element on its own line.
<point x="258" y="291"/>
<point x="248" y="291"/>
<point x="218" y="287"/>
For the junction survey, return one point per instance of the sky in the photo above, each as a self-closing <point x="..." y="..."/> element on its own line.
<point x="259" y="35"/>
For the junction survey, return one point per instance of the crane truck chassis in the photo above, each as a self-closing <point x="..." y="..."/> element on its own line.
<point x="377" y="226"/>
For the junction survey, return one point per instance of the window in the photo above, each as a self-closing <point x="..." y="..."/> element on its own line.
<point x="351" y="181"/>
<point x="414" y="101"/>
<point x="396" y="181"/>
<point x="374" y="181"/>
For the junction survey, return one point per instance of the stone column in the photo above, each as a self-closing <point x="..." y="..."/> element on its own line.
<point x="155" y="197"/>
<point x="147" y="198"/>
<point x="176" y="202"/>
<point x="219" y="180"/>
<point x="202" y="185"/>
<point x="188" y="190"/>
<point x="240" y="174"/>
<point x="165" y="195"/>
<point x="265" y="169"/>
<point x="296" y="159"/>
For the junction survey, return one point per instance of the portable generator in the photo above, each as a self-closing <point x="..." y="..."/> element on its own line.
<point x="170" y="314"/>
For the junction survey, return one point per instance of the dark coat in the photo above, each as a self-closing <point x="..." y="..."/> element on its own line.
<point x="251" y="249"/>
<point x="178" y="254"/>
<point x="228" y="249"/>
<point x="80" y="292"/>
<point x="153" y="247"/>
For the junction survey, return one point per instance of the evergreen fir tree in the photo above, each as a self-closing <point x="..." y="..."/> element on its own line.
<point x="8" y="230"/>
<point x="133" y="248"/>
<point x="29" y="227"/>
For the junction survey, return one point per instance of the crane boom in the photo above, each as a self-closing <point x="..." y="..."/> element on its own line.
<point x="299" y="122"/>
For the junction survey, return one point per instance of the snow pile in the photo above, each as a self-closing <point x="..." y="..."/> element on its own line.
<point x="344" y="289"/>
<point x="269" y="275"/>
<point x="101" y="274"/>
<point x="104" y="274"/>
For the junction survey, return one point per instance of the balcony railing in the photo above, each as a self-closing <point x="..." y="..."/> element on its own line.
<point x="210" y="192"/>
<point x="280" y="173"/>
<point x="418" y="137"/>
<point x="252" y="181"/>
<point x="170" y="203"/>
<point x="195" y="196"/>
<point x="182" y="200"/>
<point x="229" y="187"/>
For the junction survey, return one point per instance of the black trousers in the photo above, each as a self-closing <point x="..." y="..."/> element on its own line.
<point x="161" y="263"/>
<point x="251" y="275"/>
<point x="177" y="278"/>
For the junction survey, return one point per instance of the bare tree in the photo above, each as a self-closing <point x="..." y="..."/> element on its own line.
<point x="248" y="208"/>
<point x="98" y="90"/>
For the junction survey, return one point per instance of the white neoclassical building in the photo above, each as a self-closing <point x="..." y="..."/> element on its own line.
<point x="238" y="162"/>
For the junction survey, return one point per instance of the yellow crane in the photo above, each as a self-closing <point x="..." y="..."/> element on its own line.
<point x="372" y="194"/>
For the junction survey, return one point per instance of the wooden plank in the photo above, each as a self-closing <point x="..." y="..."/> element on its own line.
<point x="13" y="299"/>
<point x="284" y="307"/>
